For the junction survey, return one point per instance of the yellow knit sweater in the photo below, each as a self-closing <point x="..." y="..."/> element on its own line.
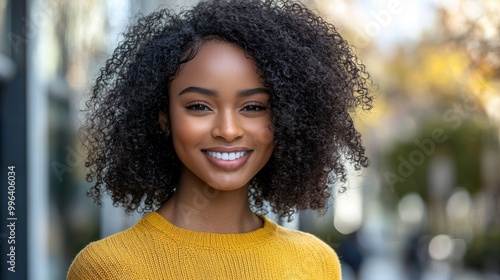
<point x="156" y="249"/>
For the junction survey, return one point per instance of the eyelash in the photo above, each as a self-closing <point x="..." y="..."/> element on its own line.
<point x="255" y="106"/>
<point x="197" y="107"/>
<point x="200" y="107"/>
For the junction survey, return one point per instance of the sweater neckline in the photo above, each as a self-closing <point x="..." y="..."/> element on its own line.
<point x="211" y="240"/>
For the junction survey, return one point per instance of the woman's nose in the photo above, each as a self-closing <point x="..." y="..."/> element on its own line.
<point x="227" y="126"/>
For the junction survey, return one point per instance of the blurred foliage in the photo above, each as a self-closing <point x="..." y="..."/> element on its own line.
<point x="447" y="83"/>
<point x="433" y="85"/>
<point x="464" y="145"/>
<point x="484" y="252"/>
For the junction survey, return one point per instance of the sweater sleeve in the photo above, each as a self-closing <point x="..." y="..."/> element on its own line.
<point x="317" y="259"/>
<point x="333" y="265"/>
<point x="327" y="259"/>
<point x="92" y="263"/>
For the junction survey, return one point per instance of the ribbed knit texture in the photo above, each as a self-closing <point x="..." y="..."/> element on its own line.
<point x="156" y="249"/>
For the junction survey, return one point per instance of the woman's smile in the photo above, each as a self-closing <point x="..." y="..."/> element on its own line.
<point x="228" y="160"/>
<point x="226" y="156"/>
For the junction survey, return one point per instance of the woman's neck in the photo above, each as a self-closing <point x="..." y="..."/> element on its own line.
<point x="199" y="207"/>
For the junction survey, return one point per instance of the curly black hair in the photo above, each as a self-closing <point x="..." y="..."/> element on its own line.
<point x="316" y="83"/>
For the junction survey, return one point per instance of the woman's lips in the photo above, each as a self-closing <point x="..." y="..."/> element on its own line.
<point x="228" y="160"/>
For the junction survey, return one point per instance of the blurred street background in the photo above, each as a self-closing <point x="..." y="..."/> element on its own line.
<point x="427" y="208"/>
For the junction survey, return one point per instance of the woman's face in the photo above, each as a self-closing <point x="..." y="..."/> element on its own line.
<point x="220" y="117"/>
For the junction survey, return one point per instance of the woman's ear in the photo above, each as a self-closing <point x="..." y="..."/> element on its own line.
<point x="164" y="122"/>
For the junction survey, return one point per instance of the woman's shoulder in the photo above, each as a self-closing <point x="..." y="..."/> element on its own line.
<point x="102" y="259"/>
<point x="108" y="245"/>
<point x="306" y="242"/>
<point x="110" y="257"/>
<point x="301" y="239"/>
<point x="310" y="251"/>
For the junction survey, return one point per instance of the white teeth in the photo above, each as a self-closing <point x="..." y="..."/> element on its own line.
<point x="226" y="156"/>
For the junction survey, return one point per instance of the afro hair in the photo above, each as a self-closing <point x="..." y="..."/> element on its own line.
<point x="316" y="83"/>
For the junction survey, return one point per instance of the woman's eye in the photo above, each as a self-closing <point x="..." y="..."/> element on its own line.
<point x="254" y="108"/>
<point x="197" y="107"/>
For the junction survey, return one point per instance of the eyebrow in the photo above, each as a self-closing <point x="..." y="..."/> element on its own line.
<point x="213" y="93"/>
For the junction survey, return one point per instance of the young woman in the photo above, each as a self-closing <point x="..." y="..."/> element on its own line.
<point x="203" y="117"/>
